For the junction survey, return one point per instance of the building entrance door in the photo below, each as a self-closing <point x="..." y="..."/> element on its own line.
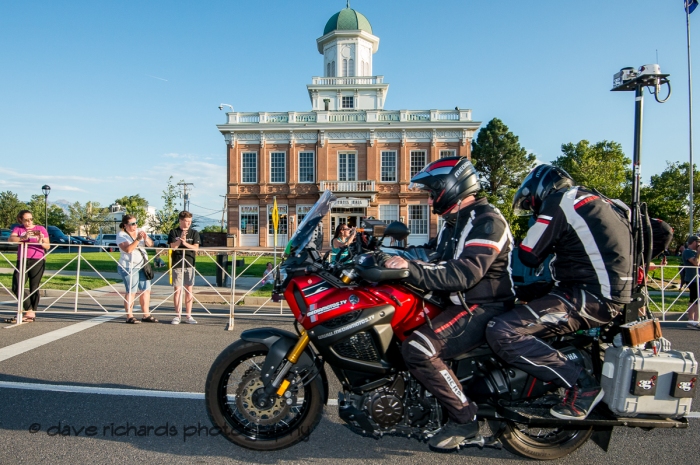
<point x="349" y="216"/>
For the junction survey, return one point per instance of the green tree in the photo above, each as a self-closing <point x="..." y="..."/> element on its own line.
<point x="57" y="217"/>
<point x="135" y="205"/>
<point x="165" y="219"/>
<point x="602" y="166"/>
<point x="502" y="163"/>
<point x="213" y="228"/>
<point x="9" y="207"/>
<point x="667" y="198"/>
<point x="87" y="218"/>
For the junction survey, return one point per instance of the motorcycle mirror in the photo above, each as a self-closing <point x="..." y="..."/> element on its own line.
<point x="397" y="230"/>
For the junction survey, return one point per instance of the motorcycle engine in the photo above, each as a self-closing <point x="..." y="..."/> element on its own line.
<point x="404" y="406"/>
<point x="385" y="407"/>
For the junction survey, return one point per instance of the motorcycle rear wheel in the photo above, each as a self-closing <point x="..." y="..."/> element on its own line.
<point x="541" y="443"/>
<point x="231" y="384"/>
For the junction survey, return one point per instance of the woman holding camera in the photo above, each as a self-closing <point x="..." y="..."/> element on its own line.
<point x="132" y="261"/>
<point x="37" y="239"/>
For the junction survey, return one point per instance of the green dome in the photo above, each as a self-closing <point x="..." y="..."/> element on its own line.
<point x="347" y="19"/>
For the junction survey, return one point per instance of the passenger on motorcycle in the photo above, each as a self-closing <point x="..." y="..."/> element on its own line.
<point x="469" y="265"/>
<point x="590" y="237"/>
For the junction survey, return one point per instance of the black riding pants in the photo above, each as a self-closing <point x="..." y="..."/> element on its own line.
<point x="453" y="332"/>
<point x="35" y="271"/>
<point x="515" y="335"/>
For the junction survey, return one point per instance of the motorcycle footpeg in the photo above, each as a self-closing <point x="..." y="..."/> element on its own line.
<point x="481" y="442"/>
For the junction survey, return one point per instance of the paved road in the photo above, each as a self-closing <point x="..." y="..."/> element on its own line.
<point x="177" y="358"/>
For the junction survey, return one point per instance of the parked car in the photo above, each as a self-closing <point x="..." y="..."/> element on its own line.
<point x="5" y="245"/>
<point x="159" y="240"/>
<point x="83" y="240"/>
<point x="107" y="240"/>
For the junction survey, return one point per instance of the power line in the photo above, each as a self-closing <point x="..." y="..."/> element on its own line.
<point x="185" y="195"/>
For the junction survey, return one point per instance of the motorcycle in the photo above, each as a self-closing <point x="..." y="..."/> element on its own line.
<point x="267" y="390"/>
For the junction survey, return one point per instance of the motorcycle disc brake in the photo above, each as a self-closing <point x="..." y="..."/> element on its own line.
<point x="260" y="416"/>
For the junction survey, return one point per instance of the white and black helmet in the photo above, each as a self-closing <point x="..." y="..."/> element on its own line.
<point x="542" y="181"/>
<point x="447" y="181"/>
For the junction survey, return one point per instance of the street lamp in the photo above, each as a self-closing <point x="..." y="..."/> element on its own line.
<point x="46" y="189"/>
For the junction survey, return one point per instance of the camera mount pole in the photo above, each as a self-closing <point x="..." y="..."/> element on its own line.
<point x="629" y="79"/>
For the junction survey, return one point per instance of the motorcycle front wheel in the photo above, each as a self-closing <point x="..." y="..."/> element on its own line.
<point x="232" y="389"/>
<point x="540" y="443"/>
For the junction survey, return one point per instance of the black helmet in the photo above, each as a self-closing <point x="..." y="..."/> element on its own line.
<point x="447" y="180"/>
<point x="542" y="181"/>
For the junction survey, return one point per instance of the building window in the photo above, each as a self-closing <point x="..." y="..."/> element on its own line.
<point x="302" y="211"/>
<point x="417" y="161"/>
<point x="249" y="219"/>
<point x="348" y="102"/>
<point x="389" y="166"/>
<point x="347" y="169"/>
<point x="351" y="66"/>
<point x="345" y="67"/>
<point x="306" y="167"/>
<point x="333" y="68"/>
<point x="249" y="167"/>
<point x="328" y="69"/>
<point x="418" y="219"/>
<point x="389" y="213"/>
<point x="277" y="167"/>
<point x="448" y="153"/>
<point x="282" y="225"/>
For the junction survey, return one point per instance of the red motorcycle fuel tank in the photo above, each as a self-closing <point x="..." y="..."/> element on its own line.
<point x="314" y="301"/>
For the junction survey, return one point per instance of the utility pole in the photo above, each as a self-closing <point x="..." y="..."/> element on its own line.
<point x="185" y="195"/>
<point x="223" y="212"/>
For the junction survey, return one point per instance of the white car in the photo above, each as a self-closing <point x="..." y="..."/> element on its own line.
<point x="159" y="240"/>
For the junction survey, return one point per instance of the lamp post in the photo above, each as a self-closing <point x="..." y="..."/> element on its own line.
<point x="46" y="189"/>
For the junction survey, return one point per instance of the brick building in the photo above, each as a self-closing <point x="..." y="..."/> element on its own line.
<point x="348" y="143"/>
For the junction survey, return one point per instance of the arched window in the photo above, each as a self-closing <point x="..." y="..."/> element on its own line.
<point x="328" y="69"/>
<point x="351" y="69"/>
<point x="332" y="68"/>
<point x="345" y="67"/>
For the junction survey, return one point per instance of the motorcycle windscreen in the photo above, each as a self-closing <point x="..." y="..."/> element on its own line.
<point x="307" y="229"/>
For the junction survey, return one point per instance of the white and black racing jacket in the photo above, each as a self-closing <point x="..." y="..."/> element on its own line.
<point x="591" y="239"/>
<point x="475" y="260"/>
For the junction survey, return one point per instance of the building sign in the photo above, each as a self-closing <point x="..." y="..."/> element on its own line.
<point x="347" y="202"/>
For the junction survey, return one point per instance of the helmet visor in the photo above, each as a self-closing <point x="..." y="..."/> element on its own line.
<point x="523" y="207"/>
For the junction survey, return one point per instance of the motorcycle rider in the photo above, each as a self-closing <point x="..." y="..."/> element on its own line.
<point x="591" y="239"/>
<point x="471" y="257"/>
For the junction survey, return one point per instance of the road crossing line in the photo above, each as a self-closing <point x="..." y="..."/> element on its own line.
<point x="110" y="391"/>
<point x="38" y="341"/>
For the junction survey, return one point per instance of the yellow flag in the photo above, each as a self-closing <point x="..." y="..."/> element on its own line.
<point x="275" y="216"/>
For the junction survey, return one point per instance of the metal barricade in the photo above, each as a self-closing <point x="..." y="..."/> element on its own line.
<point x="109" y="296"/>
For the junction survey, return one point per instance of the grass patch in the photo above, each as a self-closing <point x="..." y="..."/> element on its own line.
<point x="262" y="291"/>
<point x="63" y="283"/>
<point x="680" y="306"/>
<point x="107" y="261"/>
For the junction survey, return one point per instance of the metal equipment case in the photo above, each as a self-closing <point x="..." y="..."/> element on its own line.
<point x="638" y="382"/>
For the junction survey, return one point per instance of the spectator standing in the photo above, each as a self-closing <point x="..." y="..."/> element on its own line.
<point x="130" y="267"/>
<point x="37" y="239"/>
<point x="183" y="237"/>
<point x="690" y="261"/>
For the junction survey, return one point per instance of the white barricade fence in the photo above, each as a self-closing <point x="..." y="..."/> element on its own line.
<point x="85" y="262"/>
<point x="665" y="290"/>
<point x="668" y="292"/>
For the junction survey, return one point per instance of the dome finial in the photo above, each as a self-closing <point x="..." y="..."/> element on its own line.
<point x="347" y="4"/>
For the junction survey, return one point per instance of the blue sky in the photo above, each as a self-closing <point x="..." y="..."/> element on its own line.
<point x="105" y="99"/>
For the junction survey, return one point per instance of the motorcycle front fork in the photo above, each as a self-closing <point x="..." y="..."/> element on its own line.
<point x="280" y="384"/>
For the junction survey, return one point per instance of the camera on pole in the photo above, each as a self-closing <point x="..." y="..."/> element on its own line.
<point x="630" y="79"/>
